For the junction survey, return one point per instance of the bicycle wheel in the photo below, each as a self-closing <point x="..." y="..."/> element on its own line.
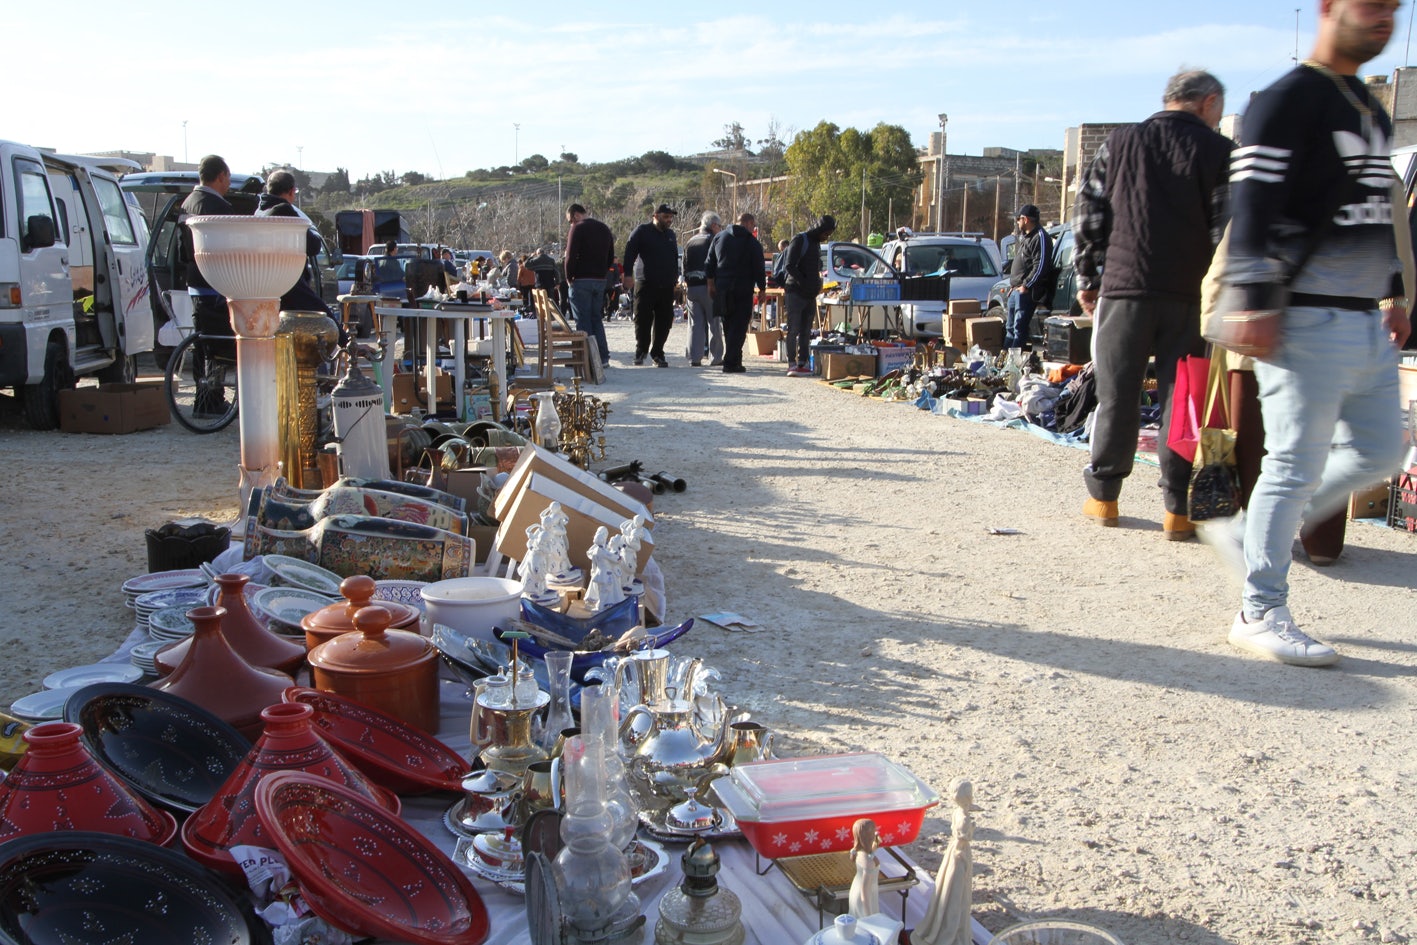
<point x="201" y="389"/>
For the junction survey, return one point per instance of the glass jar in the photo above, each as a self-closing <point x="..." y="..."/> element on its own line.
<point x="546" y="427"/>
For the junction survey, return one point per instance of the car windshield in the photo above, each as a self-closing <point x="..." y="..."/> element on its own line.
<point x="856" y="261"/>
<point x="964" y="260"/>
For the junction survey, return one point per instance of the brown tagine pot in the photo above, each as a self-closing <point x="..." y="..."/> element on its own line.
<point x="243" y="632"/>
<point x="394" y="671"/>
<point x="329" y="622"/>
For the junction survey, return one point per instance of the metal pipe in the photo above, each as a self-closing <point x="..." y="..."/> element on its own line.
<point x="670" y="482"/>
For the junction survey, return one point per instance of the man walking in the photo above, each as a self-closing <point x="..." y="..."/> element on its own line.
<point x="652" y="265"/>
<point x="1312" y="207"/>
<point x="1150" y="212"/>
<point x="734" y="269"/>
<point x="802" y="277"/>
<point x="590" y="250"/>
<point x="705" y="330"/>
<point x="1030" y="276"/>
<point x="209" y="311"/>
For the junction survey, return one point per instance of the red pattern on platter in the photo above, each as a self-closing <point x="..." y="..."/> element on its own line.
<point x="366" y="871"/>
<point x="828" y="834"/>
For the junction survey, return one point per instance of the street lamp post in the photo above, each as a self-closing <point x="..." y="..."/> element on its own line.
<point x="516" y="143"/>
<point x="184" y="141"/>
<point x="734" y="178"/>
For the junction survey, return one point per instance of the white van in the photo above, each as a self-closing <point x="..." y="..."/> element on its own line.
<point x="73" y="286"/>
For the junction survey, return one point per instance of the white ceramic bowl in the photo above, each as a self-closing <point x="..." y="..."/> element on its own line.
<point x="473" y="605"/>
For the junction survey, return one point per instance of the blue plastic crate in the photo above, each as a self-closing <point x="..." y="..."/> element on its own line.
<point x="875" y="290"/>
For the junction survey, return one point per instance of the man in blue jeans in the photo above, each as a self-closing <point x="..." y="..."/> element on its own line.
<point x="1311" y="237"/>
<point x="590" y="251"/>
<point x="1029" y="275"/>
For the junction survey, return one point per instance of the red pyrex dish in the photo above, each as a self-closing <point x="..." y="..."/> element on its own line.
<point x="801" y="806"/>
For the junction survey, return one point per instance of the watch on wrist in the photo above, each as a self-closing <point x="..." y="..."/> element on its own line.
<point x="1392" y="302"/>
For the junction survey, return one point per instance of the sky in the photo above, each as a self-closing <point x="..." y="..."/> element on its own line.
<point x="439" y="88"/>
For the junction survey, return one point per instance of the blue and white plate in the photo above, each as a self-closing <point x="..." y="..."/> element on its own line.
<point x="286" y="606"/>
<point x="184" y="597"/>
<point x="96" y="673"/>
<point x="402" y="592"/>
<point x="170" y="624"/>
<point x="303" y="574"/>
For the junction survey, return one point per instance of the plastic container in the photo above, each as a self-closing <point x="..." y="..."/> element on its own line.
<point x="473" y="605"/>
<point x="800" y="806"/>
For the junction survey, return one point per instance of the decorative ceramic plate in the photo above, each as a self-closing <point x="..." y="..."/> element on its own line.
<point x="96" y="673"/>
<point x="364" y="869"/>
<point x="142" y="655"/>
<point x="303" y="574"/>
<point x="394" y="754"/>
<point x="170" y="751"/>
<point x="169" y="624"/>
<point x="287" y="605"/>
<point x="184" y="597"/>
<point x="402" y="592"/>
<point x="44" y="705"/>
<point x="80" y="886"/>
<point x="248" y="592"/>
<point x="163" y="581"/>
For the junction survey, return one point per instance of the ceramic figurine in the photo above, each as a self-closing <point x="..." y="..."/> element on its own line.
<point x="604" y="591"/>
<point x="863" y="899"/>
<point x="633" y="531"/>
<point x="553" y="526"/>
<point x="947" y="920"/>
<point x="533" y="568"/>
<point x="616" y="546"/>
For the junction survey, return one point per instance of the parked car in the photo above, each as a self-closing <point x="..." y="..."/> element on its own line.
<point x="1064" y="300"/>
<point x="972" y="261"/>
<point x="171" y="307"/>
<point x="349" y="272"/>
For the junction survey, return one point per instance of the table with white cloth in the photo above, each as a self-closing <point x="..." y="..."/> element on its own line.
<point x="461" y="315"/>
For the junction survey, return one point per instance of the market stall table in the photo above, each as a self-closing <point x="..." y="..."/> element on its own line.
<point x="863" y="317"/>
<point x="461" y="315"/>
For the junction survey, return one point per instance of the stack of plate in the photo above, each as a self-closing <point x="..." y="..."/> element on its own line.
<point x="58" y="686"/>
<point x="182" y="598"/>
<point x="170" y="624"/>
<point x="133" y="588"/>
<point x="143" y="653"/>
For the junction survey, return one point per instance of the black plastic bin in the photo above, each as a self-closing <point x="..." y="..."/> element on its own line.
<point x="176" y="547"/>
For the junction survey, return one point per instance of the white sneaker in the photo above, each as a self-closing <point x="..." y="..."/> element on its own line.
<point x="1279" y="638"/>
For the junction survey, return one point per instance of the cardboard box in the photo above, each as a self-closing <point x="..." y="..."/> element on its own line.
<point x="837" y="366"/>
<point x="484" y="539"/>
<point x="584" y="516"/>
<point x="113" y="408"/>
<point x="1369" y="503"/>
<point x="762" y="343"/>
<point x="411" y="390"/>
<point x="965" y="405"/>
<point x="536" y="459"/>
<point x="817" y="356"/>
<point x="893" y="358"/>
<point x="959" y="312"/>
<point x="1406" y="385"/>
<point x="987" y="333"/>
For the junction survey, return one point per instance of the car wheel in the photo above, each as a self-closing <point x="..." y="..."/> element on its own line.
<point x="41" y="401"/>
<point x="124" y="370"/>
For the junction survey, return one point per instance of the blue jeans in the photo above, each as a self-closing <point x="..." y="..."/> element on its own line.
<point x="1021" y="305"/>
<point x="1332" y="424"/>
<point x="588" y="308"/>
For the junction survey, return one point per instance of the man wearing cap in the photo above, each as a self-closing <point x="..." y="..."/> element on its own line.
<point x="590" y="250"/>
<point x="705" y="330"/>
<point x="652" y="267"/>
<point x="802" y="276"/>
<point x="1150" y="212"/>
<point x="1030" y="276"/>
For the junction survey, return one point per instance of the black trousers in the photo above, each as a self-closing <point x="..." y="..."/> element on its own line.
<point x="1125" y="334"/>
<point x="737" y="312"/>
<point x="654" y="316"/>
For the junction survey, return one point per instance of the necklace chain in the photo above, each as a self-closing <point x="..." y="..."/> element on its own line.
<point x="1365" y="113"/>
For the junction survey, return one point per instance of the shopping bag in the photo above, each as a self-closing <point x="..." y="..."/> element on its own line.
<point x="1187" y="401"/>
<point x="1215" y="480"/>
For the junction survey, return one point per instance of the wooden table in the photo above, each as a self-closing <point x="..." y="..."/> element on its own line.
<point x="460" y="315"/>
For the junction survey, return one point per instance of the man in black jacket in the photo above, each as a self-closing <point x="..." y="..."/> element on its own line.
<point x="652" y="267"/>
<point x="803" y="276"/>
<point x="590" y="250"/>
<point x="209" y="311"/>
<point x="1152" y="208"/>
<point x="279" y="201"/>
<point x="705" y="328"/>
<point x="1030" y="276"/>
<point x="734" y="268"/>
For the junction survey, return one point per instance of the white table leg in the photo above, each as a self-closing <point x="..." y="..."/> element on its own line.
<point x="459" y="365"/>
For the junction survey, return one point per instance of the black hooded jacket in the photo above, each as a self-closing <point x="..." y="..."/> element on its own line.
<point x="804" y="260"/>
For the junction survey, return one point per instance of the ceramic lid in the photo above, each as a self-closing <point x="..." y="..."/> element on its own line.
<point x="358" y="593"/>
<point x="374" y="649"/>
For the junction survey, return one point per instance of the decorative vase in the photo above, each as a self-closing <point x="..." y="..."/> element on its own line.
<point x="546" y="427"/>
<point x="246" y="635"/>
<point x="396" y="486"/>
<point x="215" y="677"/>
<point x="558" y="686"/>
<point x="275" y="507"/>
<point x="290" y="743"/>
<point x="382" y="548"/>
<point x="304" y="342"/>
<point x="58" y="785"/>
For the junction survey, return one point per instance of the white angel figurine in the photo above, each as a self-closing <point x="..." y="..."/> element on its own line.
<point x="553" y="525"/>
<point x="633" y="532"/>
<point x="864" y="898"/>
<point x="533" y="568"/>
<point x="603" y="591"/>
<point x="947" y="919"/>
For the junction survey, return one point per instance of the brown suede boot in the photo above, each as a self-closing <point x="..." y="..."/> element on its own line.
<point x="1103" y="513"/>
<point x="1177" y="527"/>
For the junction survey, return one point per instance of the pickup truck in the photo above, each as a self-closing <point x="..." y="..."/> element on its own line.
<point x="73" y="286"/>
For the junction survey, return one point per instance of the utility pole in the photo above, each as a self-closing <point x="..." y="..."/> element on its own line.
<point x="942" y="176"/>
<point x="863" y="206"/>
<point x="998" y="186"/>
<point x="964" y="214"/>
<point x="1018" y="169"/>
<point x="516" y="143"/>
<point x="184" y="141"/>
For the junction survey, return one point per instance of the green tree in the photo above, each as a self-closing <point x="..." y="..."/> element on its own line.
<point x="659" y="160"/>
<point x="733" y="138"/>
<point x="831" y="167"/>
<point x="569" y="157"/>
<point x="534" y="163"/>
<point x="338" y="182"/>
<point x="413" y="178"/>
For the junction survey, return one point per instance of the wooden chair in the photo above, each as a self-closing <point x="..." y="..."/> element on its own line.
<point x="561" y="345"/>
